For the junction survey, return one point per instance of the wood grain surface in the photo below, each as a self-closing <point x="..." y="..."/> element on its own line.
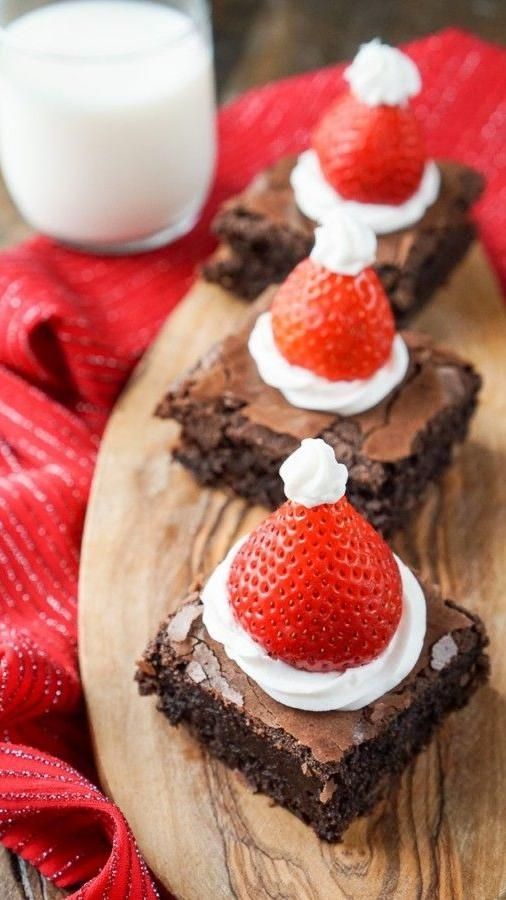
<point x="150" y="530"/>
<point x="20" y="880"/>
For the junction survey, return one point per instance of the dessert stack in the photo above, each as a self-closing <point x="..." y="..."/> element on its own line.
<point x="321" y="357"/>
<point x="368" y="154"/>
<point x="313" y="659"/>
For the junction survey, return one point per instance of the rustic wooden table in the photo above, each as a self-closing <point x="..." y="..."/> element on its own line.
<point x="257" y="41"/>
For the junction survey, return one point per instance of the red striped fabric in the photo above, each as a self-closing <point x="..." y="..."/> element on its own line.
<point x="71" y="327"/>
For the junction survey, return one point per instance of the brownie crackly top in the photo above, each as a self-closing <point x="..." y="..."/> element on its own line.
<point x="227" y="377"/>
<point x="184" y="644"/>
<point x="264" y="235"/>
<point x="270" y="198"/>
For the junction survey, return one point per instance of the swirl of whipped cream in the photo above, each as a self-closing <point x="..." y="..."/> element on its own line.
<point x="344" y="244"/>
<point x="382" y="74"/>
<point x="317" y="691"/>
<point x="305" y="390"/>
<point x="317" y="199"/>
<point x="312" y="476"/>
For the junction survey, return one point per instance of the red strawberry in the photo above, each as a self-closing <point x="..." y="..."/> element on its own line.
<point x="339" y="326"/>
<point x="372" y="154"/>
<point x="318" y="588"/>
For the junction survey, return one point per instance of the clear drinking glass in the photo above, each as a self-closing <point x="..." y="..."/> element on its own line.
<point x="107" y="118"/>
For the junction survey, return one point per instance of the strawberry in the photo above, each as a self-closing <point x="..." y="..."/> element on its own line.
<point x="340" y="327"/>
<point x="371" y="154"/>
<point x="317" y="588"/>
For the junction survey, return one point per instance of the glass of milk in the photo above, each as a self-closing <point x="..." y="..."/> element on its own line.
<point x="107" y="118"/>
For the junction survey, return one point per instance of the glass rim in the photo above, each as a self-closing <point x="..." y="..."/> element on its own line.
<point x="201" y="22"/>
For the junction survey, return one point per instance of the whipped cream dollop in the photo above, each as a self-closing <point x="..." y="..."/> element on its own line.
<point x="344" y="244"/>
<point x="312" y="476"/>
<point x="380" y="74"/>
<point x="317" y="691"/>
<point x="302" y="388"/>
<point x="317" y="199"/>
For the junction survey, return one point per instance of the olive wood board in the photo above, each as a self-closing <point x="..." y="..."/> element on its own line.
<point x="150" y="530"/>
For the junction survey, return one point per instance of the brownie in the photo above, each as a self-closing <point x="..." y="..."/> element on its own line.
<point x="236" y="431"/>
<point x="327" y="768"/>
<point x="264" y="235"/>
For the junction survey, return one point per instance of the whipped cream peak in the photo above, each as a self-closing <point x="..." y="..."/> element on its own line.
<point x="381" y="74"/>
<point x="343" y="243"/>
<point x="312" y="475"/>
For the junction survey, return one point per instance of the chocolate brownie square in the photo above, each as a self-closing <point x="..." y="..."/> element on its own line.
<point x="236" y="431"/>
<point x="327" y="767"/>
<point x="264" y="235"/>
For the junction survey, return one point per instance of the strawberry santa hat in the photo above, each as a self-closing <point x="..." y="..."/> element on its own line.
<point x="314" y="584"/>
<point x="331" y="314"/>
<point x="370" y="144"/>
<point x="329" y="341"/>
<point x="312" y="605"/>
<point x="368" y="150"/>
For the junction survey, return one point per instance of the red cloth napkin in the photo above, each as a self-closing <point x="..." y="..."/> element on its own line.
<point x="71" y="327"/>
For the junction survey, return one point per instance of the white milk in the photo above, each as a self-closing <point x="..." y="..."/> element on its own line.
<point x="111" y="140"/>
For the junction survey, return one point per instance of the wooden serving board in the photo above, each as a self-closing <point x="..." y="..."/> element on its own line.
<point x="150" y="530"/>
